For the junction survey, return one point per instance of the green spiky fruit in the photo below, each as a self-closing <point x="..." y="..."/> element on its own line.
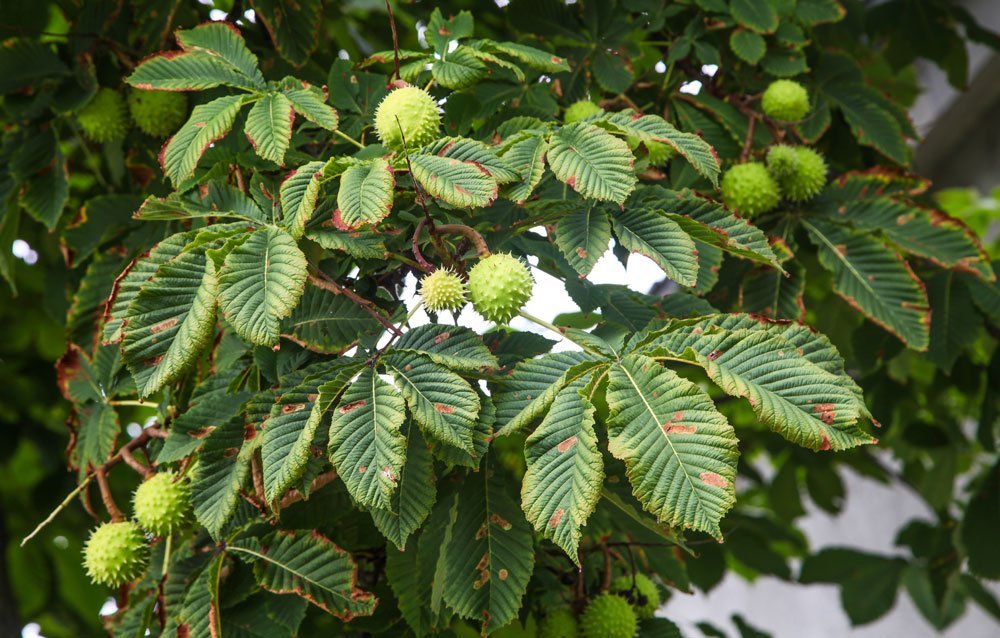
<point x="559" y="623"/>
<point x="782" y="160"/>
<point x="645" y="597"/>
<point x="608" y="616"/>
<point x="162" y="504"/>
<point x="750" y="189"/>
<point x="116" y="553"/>
<point x="808" y="178"/>
<point x="442" y="290"/>
<point x="785" y="100"/>
<point x="157" y="113"/>
<point x="105" y="116"/>
<point x="581" y="110"/>
<point x="660" y="153"/>
<point x="498" y="286"/>
<point x="417" y="115"/>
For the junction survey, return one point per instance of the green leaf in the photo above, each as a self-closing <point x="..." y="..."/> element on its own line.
<point x="461" y="184"/>
<point x="192" y="71"/>
<point x="813" y="12"/>
<point x="441" y="30"/>
<point x="44" y="196"/>
<point x="170" y="321"/>
<point x="451" y="346"/>
<point x="299" y="192"/>
<point x="680" y="453"/>
<point x="979" y="526"/>
<point x="661" y="239"/>
<point x="25" y="61"/>
<point x="562" y="483"/>
<point x="137" y="273"/>
<point x="219" y="475"/>
<point x="360" y="245"/>
<point x="535" y="58"/>
<point x="466" y="150"/>
<point x="211" y="404"/>
<point x="310" y="565"/>
<point x="772" y="294"/>
<point x="327" y="323"/>
<point x="875" y="279"/>
<point x="208" y="123"/>
<point x="293" y="26"/>
<point x="611" y="71"/>
<point x="412" y="502"/>
<point x="747" y="45"/>
<point x="489" y="557"/>
<point x="871" y="124"/>
<point x="583" y="237"/>
<point x="592" y="162"/>
<point x="755" y="15"/>
<point x="955" y="324"/>
<point x="310" y="103"/>
<point x="653" y="128"/>
<point x="527" y="392"/>
<point x="527" y="157"/>
<point x="261" y="283"/>
<point x="365" y="195"/>
<point x="458" y="69"/>
<point x="794" y="397"/>
<point x="96" y="433"/>
<point x="269" y="126"/>
<point x="223" y="40"/>
<point x="264" y="615"/>
<point x="366" y="446"/>
<point x="443" y="403"/>
<point x="199" y="617"/>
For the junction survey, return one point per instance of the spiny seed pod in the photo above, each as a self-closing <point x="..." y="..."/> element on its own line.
<point x="499" y="286"/>
<point x="443" y="290"/>
<point x="785" y="100"/>
<point x="105" y="117"/>
<point x="162" y="504"/>
<point x="782" y="160"/>
<point x="559" y="623"/>
<point x="750" y="189"/>
<point x="808" y="178"/>
<point x="417" y="115"/>
<point x="645" y="597"/>
<point x="157" y="113"/>
<point x="116" y="553"/>
<point x="660" y="153"/>
<point x="608" y="616"/>
<point x="581" y="110"/>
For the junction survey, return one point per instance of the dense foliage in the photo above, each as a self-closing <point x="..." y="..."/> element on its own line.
<point x="230" y="276"/>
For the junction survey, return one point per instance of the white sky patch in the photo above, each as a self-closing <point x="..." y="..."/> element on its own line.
<point x="250" y="15"/>
<point x="501" y="3"/>
<point x="710" y="69"/>
<point x="23" y="251"/>
<point x="133" y="429"/>
<point x="109" y="607"/>
<point x="422" y="34"/>
<point x="217" y="14"/>
<point x="452" y="45"/>
<point x="692" y="88"/>
<point x="343" y="54"/>
<point x="32" y="630"/>
<point x="660" y="67"/>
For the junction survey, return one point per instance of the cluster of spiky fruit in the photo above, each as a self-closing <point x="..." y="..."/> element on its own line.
<point x="157" y="113"/>
<point x="785" y="100"/>
<point x="104" y="117"/>
<point x="499" y="286"/>
<point x="609" y="616"/>
<point x="407" y="113"/>
<point x="797" y="173"/>
<point x="750" y="189"/>
<point x="443" y="290"/>
<point x="640" y="591"/>
<point x="117" y="552"/>
<point x="615" y="614"/>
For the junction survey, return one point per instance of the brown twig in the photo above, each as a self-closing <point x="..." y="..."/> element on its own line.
<point x="294" y="496"/>
<point x="395" y="38"/>
<point x="106" y="497"/>
<point x="135" y="464"/>
<point x="319" y="279"/>
<point x="477" y="240"/>
<point x="426" y="265"/>
<point x="428" y="220"/>
<point x="606" y="582"/>
<point x="748" y="140"/>
<point x="258" y="479"/>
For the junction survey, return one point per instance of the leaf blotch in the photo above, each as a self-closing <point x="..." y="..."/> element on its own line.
<point x="711" y="478"/>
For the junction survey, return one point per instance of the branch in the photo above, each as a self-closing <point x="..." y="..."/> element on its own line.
<point x="395" y="39"/>
<point x="320" y="280"/>
<point x="135" y="464"/>
<point x="477" y="240"/>
<point x="106" y="497"/>
<point x="426" y="265"/>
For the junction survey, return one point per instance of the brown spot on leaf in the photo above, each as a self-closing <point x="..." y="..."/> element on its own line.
<point x="344" y="409"/>
<point x="826" y="412"/>
<point x="500" y="522"/>
<point x="841" y="248"/>
<point x="826" y="443"/>
<point x="711" y="478"/>
<point x="444" y="409"/>
<point x="481" y="532"/>
<point x="581" y="252"/>
<point x="556" y="517"/>
<point x="292" y="407"/>
<point x="388" y="473"/>
<point x="442" y="337"/>
<point x="678" y="428"/>
<point x="571" y="182"/>
<point x="163" y="325"/>
<point x="714" y="354"/>
<point x="362" y="469"/>
<point x="483" y="567"/>
<point x="567" y="444"/>
<point x="502" y="574"/>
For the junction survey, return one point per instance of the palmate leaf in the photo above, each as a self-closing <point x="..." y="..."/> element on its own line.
<point x="299" y="192"/>
<point x="310" y="565"/>
<point x="489" y="557"/>
<point x="412" y="502"/>
<point x="191" y="71"/>
<point x="680" y="453"/>
<point x="583" y="237"/>
<point x="365" y="195"/>
<point x="221" y="470"/>
<point x="658" y="237"/>
<point x="260" y="284"/>
<point x="562" y="483"/>
<point x="592" y="162"/>
<point x="461" y="184"/>
<point x="443" y="403"/>
<point x="366" y="446"/>
<point x="223" y="41"/>
<point x="653" y="128"/>
<point x="269" y="126"/>
<point x="527" y="157"/>
<point x="873" y="278"/>
<point x="208" y="123"/>
<point x="170" y="321"/>
<point x="327" y="323"/>
<point x="527" y="392"/>
<point x="454" y="347"/>
<point x="791" y="395"/>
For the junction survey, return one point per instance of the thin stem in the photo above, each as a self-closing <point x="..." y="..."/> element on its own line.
<point x="395" y="38"/>
<point x="748" y="141"/>
<point x="429" y="85"/>
<point x="140" y="404"/>
<point x="425" y="265"/>
<point x="106" y="496"/>
<point x="135" y="464"/>
<point x="319" y="279"/>
<point x="477" y="240"/>
<point x="606" y="581"/>
<point x="414" y="311"/>
<point x="409" y="262"/>
<point x="66" y="501"/>
<point x="347" y="138"/>
<point x="166" y="553"/>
